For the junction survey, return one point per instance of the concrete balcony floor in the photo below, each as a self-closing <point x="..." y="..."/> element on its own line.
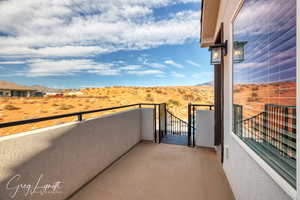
<point x="160" y="172"/>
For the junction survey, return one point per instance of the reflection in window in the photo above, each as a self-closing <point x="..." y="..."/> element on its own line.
<point x="264" y="81"/>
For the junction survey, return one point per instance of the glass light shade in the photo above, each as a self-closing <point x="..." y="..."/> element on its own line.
<point x="215" y="57"/>
<point x="238" y="51"/>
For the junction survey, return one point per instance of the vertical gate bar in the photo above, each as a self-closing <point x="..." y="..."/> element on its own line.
<point x="294" y="124"/>
<point x="80" y="117"/>
<point x="159" y="123"/>
<point x="193" y="126"/>
<point x="180" y="127"/>
<point x="155" y="131"/>
<point x="189" y="124"/>
<point x="171" y="125"/>
<point x="286" y="128"/>
<point x="173" y="130"/>
<point x="165" y="110"/>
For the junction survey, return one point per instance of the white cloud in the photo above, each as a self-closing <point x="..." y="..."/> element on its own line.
<point x="105" y="72"/>
<point x="131" y="67"/>
<point x="177" y="75"/>
<point x="156" y="65"/>
<point x="171" y="62"/>
<point x="63" y="51"/>
<point x="146" y="72"/>
<point x="87" y="27"/>
<point x="193" y="63"/>
<point x="47" y="67"/>
<point x="11" y="62"/>
<point x="256" y="23"/>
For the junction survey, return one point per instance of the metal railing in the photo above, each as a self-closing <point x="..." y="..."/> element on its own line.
<point x="272" y="134"/>
<point x="79" y="115"/>
<point x="175" y="125"/>
<point x="192" y="108"/>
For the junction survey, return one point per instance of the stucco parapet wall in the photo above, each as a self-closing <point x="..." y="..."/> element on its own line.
<point x="69" y="154"/>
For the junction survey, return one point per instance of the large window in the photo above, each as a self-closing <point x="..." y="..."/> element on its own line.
<point x="264" y="81"/>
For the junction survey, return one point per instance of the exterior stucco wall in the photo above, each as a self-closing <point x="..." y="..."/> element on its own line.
<point x="72" y="153"/>
<point x="247" y="179"/>
<point x="147" y="124"/>
<point x="205" y="128"/>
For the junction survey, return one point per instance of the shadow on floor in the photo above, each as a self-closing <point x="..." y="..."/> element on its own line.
<point x="175" y="139"/>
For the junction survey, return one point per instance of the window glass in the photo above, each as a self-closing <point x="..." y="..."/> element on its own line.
<point x="264" y="81"/>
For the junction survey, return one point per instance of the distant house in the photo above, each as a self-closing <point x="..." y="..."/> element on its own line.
<point x="8" y="89"/>
<point x="74" y="93"/>
<point x="54" y="94"/>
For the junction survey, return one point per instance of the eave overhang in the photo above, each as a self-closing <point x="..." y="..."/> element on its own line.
<point x="208" y="22"/>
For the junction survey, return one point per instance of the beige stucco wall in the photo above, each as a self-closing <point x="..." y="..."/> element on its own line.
<point x="147" y="124"/>
<point x="245" y="174"/>
<point x="72" y="153"/>
<point x="205" y="136"/>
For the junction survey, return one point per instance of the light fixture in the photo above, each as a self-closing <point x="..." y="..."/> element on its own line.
<point x="239" y="51"/>
<point x="217" y="51"/>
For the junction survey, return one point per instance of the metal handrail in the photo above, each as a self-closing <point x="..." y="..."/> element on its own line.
<point x="78" y="114"/>
<point x="203" y="105"/>
<point x="176" y="117"/>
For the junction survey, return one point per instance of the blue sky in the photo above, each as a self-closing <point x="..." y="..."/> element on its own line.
<point x="95" y="43"/>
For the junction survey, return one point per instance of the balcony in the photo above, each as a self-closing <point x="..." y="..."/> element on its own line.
<point x="161" y="171"/>
<point x="110" y="157"/>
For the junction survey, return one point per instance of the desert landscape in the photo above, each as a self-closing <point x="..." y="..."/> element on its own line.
<point x="253" y="97"/>
<point x="22" y="108"/>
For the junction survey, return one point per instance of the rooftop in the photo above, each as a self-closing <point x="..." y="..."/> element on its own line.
<point x="12" y="86"/>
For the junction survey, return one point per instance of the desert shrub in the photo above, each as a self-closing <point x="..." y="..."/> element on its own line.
<point x="10" y="107"/>
<point x="254" y="94"/>
<point x="188" y="97"/>
<point x="70" y="95"/>
<point x="237" y="90"/>
<point x="54" y="105"/>
<point x="65" y="107"/>
<point x="29" y="102"/>
<point x="148" y="90"/>
<point x="148" y="95"/>
<point x="173" y="102"/>
<point x="158" y="91"/>
<point x="254" y="88"/>
<point x="251" y="99"/>
<point x="151" y="99"/>
<point x="279" y="91"/>
<point x="198" y="99"/>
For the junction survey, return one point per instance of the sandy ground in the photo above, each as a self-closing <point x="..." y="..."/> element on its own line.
<point x="177" y="99"/>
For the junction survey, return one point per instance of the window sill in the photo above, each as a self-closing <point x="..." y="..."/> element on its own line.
<point x="282" y="183"/>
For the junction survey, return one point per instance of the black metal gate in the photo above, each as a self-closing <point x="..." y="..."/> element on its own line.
<point x="172" y="129"/>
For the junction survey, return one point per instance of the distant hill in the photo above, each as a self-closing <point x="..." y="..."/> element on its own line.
<point x="44" y="89"/>
<point x="209" y="83"/>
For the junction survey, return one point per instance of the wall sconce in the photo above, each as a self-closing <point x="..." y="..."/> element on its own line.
<point x="239" y="51"/>
<point x="216" y="52"/>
